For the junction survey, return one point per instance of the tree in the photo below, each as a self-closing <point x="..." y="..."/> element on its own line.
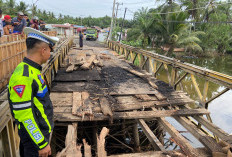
<point x="22" y="7"/>
<point x="144" y="22"/>
<point x="10" y="7"/>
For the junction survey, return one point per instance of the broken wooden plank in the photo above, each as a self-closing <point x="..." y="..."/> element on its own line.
<point x="101" y="143"/>
<point x="70" y="68"/>
<point x="78" y="147"/>
<point x="179" y="139"/>
<point x="71" y="149"/>
<point x="87" y="65"/>
<point x="133" y="115"/>
<point x="143" y="97"/>
<point x="77" y="102"/>
<point x="173" y="102"/>
<point x="86" y="108"/>
<point x="173" y="153"/>
<point x="68" y="109"/>
<point x="150" y="135"/>
<point x="132" y="92"/>
<point x="104" y="56"/>
<point x="96" y="62"/>
<point x="141" y="75"/>
<point x="141" y="105"/>
<point x="213" y="128"/>
<point x="160" y="96"/>
<point x="132" y="106"/>
<point x="152" y="83"/>
<point x="105" y="107"/>
<point x="80" y="58"/>
<point x="207" y="141"/>
<point x="160" y="113"/>
<point x="100" y="63"/>
<point x="87" y="149"/>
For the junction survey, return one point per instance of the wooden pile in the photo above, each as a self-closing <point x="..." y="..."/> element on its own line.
<point x="83" y="61"/>
<point x="72" y="149"/>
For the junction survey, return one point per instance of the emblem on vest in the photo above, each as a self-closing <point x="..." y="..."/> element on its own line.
<point x="19" y="89"/>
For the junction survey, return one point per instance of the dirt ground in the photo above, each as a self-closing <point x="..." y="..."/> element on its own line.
<point x="90" y="43"/>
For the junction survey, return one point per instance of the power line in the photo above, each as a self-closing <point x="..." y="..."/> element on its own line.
<point x="185" y="10"/>
<point x="141" y="2"/>
<point x="210" y="22"/>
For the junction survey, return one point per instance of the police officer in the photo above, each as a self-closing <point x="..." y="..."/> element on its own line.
<point x="29" y="98"/>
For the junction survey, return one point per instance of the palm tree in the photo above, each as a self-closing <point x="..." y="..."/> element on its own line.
<point x="10" y="7"/>
<point x="60" y="16"/>
<point x="187" y="39"/>
<point x="144" y="23"/>
<point x="2" y="5"/>
<point x="22" y="7"/>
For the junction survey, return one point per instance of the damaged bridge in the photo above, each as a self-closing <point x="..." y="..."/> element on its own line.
<point x="108" y="101"/>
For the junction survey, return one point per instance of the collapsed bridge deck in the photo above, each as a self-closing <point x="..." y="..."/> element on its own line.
<point x="96" y="88"/>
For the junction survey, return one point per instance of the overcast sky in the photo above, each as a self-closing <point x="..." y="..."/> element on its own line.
<point x="94" y="8"/>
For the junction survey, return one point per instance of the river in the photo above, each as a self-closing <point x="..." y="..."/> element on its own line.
<point x="220" y="108"/>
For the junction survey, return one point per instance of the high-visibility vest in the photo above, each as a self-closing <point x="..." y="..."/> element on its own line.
<point x="30" y="103"/>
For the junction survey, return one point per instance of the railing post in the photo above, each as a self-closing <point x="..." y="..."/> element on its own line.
<point x="173" y="77"/>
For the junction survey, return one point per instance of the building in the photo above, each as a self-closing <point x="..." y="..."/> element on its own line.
<point x="63" y="29"/>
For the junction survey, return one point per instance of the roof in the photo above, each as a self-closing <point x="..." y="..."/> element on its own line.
<point x="62" y="26"/>
<point x="77" y="26"/>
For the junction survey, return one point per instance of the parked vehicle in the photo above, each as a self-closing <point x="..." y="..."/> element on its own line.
<point x="91" y="34"/>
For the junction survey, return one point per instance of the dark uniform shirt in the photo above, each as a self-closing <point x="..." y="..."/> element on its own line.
<point x="30" y="103"/>
<point x="19" y="28"/>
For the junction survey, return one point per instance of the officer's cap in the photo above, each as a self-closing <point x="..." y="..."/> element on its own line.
<point x="33" y="33"/>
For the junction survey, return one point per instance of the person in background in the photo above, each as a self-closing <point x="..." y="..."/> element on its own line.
<point x="7" y="19"/>
<point x="42" y="25"/>
<point x="35" y="23"/>
<point x="27" y="20"/>
<point x="81" y="37"/>
<point x="1" y="24"/>
<point x="19" y="23"/>
<point x="8" y="28"/>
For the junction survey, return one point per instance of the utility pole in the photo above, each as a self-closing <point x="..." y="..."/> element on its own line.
<point x="122" y="24"/>
<point x="117" y="13"/>
<point x="112" y="22"/>
<point x="33" y="8"/>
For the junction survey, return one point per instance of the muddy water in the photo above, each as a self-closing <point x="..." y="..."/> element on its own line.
<point x="221" y="108"/>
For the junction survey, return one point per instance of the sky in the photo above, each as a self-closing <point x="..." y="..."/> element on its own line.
<point x="94" y="8"/>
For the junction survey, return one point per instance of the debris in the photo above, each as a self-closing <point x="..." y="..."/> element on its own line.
<point x="101" y="143"/>
<point x="70" y="68"/>
<point x="105" y="107"/>
<point x="88" y="63"/>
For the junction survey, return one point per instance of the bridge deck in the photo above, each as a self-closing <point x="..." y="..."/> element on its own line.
<point x="119" y="96"/>
<point x="113" y="85"/>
